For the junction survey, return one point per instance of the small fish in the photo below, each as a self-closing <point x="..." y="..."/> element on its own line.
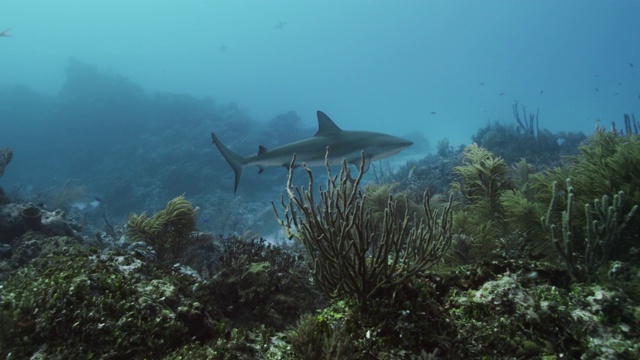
<point x="98" y="199"/>
<point x="223" y="47"/>
<point x="280" y="25"/>
<point x="597" y="89"/>
<point x="630" y="64"/>
<point x="541" y="92"/>
<point x="433" y="113"/>
<point x="502" y="93"/>
<point x="482" y="83"/>
<point x="5" y="33"/>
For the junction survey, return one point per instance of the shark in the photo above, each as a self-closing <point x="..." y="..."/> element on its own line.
<point x="342" y="145"/>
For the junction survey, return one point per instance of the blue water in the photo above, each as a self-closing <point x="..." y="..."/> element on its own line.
<point x="440" y="68"/>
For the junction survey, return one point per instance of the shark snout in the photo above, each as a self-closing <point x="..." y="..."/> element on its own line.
<point x="401" y="143"/>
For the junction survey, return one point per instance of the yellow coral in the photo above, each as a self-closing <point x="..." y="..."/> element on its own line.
<point x="169" y="232"/>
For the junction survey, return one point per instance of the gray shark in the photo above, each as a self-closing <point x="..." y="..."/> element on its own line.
<point x="347" y="145"/>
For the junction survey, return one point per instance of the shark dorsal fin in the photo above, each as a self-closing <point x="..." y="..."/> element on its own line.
<point x="326" y="126"/>
<point x="261" y="149"/>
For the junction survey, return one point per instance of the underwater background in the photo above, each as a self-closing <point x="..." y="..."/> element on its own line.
<point x="107" y="109"/>
<point x="117" y="91"/>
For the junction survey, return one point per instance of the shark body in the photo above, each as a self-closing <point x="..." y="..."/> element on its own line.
<point x="342" y="144"/>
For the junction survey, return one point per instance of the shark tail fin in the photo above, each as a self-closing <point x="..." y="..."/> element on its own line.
<point x="236" y="161"/>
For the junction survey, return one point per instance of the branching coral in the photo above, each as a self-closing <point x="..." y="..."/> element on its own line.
<point x="170" y="232"/>
<point x="630" y="126"/>
<point x="608" y="163"/>
<point x="585" y="251"/>
<point x="526" y="125"/>
<point x="350" y="255"/>
<point x="5" y="158"/>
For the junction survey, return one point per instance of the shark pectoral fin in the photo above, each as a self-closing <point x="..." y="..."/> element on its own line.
<point x="260" y="169"/>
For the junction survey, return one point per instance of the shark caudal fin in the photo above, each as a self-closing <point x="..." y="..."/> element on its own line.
<point x="236" y="161"/>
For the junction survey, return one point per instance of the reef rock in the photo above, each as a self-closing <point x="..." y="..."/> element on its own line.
<point x="15" y="221"/>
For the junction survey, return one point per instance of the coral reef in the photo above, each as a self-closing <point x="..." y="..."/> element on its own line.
<point x="368" y="285"/>
<point x="258" y="282"/>
<point x="526" y="140"/>
<point x="80" y="302"/>
<point x="65" y="295"/>
<point x="503" y="208"/>
<point x="530" y="318"/>
<point x="51" y="223"/>
<point x="433" y="173"/>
